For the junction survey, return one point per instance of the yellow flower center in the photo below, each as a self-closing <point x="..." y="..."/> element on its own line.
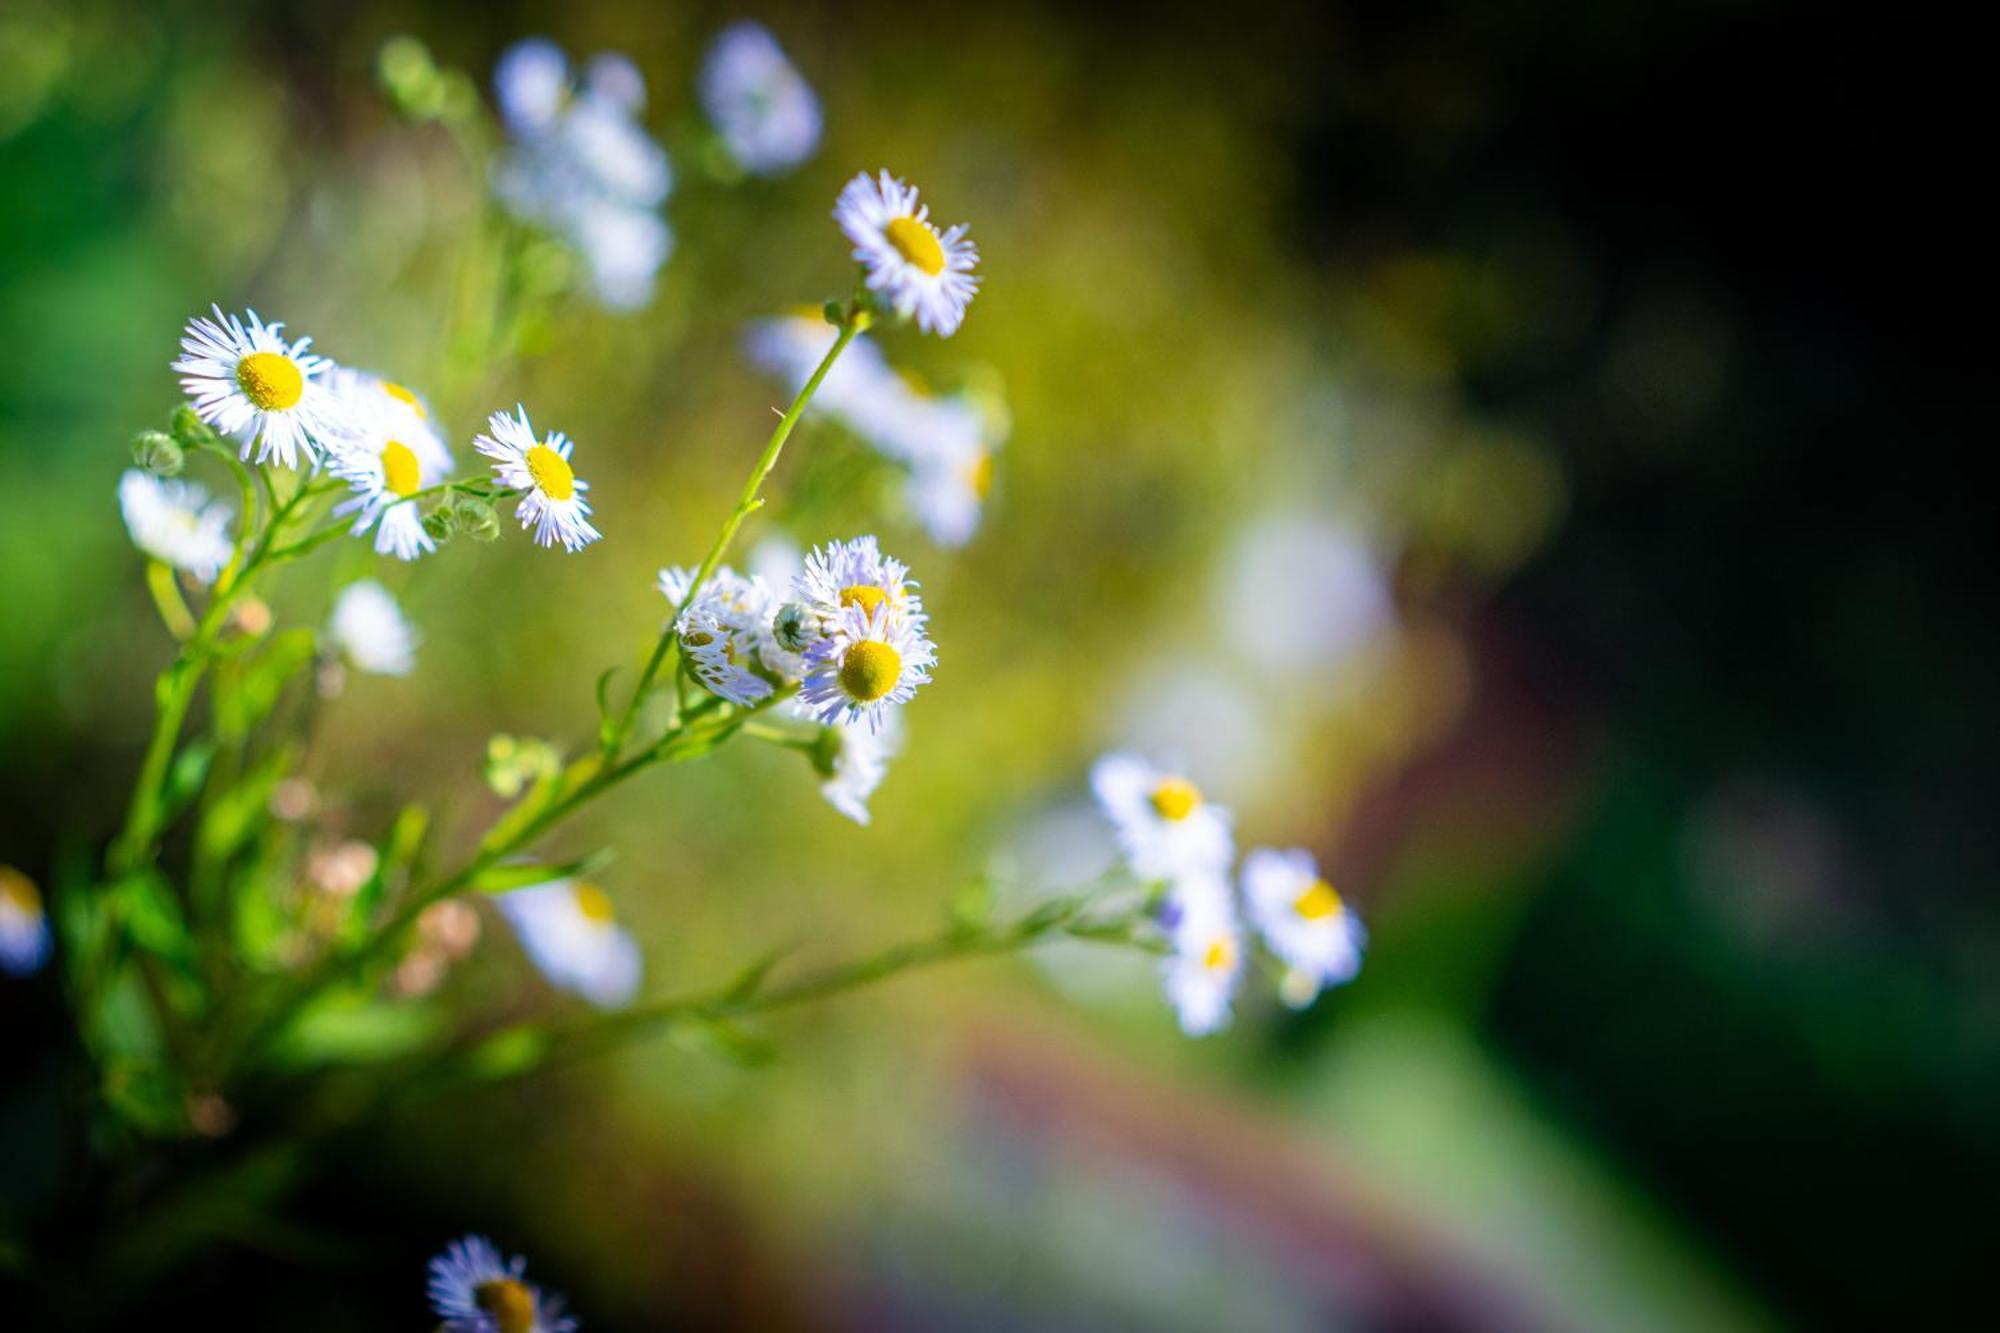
<point x="551" y="472"/>
<point x="1318" y="902"/>
<point x="1220" y="954"/>
<point x="1175" y="799"/>
<point x="869" y="670"/>
<point x="594" y="903"/>
<point x="864" y="595"/>
<point x="19" y="892"/>
<point x="270" y="380"/>
<point x="979" y="475"/>
<point x="400" y="472"/>
<point x="916" y="242"/>
<point x="509" y="1302"/>
<point x="402" y="395"/>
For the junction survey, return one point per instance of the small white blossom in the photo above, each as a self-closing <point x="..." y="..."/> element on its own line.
<point x="1201" y="973"/>
<point x="1301" y="917"/>
<point x="867" y="663"/>
<point x="765" y="112"/>
<point x="369" y="629"/>
<point x="175" y="522"/>
<point x="475" y="1291"/>
<point x="24" y="924"/>
<point x="253" y="386"/>
<point x="918" y="272"/>
<point x="1166" y="828"/>
<point x="860" y="762"/>
<point x="570" y="931"/>
<point x="391" y="453"/>
<point x="553" y="505"/>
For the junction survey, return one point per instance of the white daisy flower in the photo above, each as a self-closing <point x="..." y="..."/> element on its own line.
<point x="1301" y="917"/>
<point x="255" y="387"/>
<point x="726" y="633"/>
<point x="867" y="661"/>
<point x="391" y="455"/>
<point x="1166" y="828"/>
<point x="623" y="251"/>
<point x="919" y="272"/>
<point x="369" y="629"/>
<point x="1201" y="973"/>
<point x="763" y="109"/>
<point x="402" y="412"/>
<point x="570" y="932"/>
<point x="24" y="924"/>
<point x="175" y="522"/>
<point x="856" y="574"/>
<point x="475" y="1291"/>
<point x="553" y="504"/>
<point x="860" y="761"/>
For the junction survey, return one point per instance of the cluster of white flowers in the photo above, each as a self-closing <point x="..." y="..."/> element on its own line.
<point x="580" y="164"/>
<point x="1169" y="833"/>
<point x="944" y="443"/>
<point x="761" y="106"/>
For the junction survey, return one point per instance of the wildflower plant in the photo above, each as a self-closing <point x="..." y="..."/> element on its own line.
<point x="233" y="947"/>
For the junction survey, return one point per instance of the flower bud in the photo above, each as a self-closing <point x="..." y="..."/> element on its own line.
<point x="825" y="753"/>
<point x="794" y="627"/>
<point x="158" y="453"/>
<point x="190" y="429"/>
<point x="475" y="518"/>
<point x="441" y="524"/>
<point x="835" y="312"/>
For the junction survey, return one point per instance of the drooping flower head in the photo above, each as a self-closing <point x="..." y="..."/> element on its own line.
<point x="1302" y="918"/>
<point x="866" y="662"/>
<point x="919" y="272"/>
<point x="725" y="633"/>
<point x="24" y="924"/>
<point x="176" y="522"/>
<point x="569" y="930"/>
<point x="1166" y="828"/>
<point x="859" y="759"/>
<point x="855" y="573"/>
<point x="475" y="1291"/>
<point x="1201" y="972"/>
<point x="553" y="505"/>
<point x="369" y="630"/>
<point x="390" y="454"/>
<point x="250" y="384"/>
<point x="763" y="109"/>
<point x="950" y="480"/>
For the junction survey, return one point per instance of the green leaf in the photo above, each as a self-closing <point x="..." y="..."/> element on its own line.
<point x="732" y="1043"/>
<point x="523" y="875"/>
<point x="507" y="1054"/>
<point x="348" y="1029"/>
<point x="240" y="813"/>
<point x="607" y="722"/>
<point x="185" y="778"/>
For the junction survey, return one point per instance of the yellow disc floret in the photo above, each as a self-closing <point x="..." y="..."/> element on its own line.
<point x="864" y="595"/>
<point x="870" y="670"/>
<point x="979" y="475"/>
<point x="400" y="472"/>
<point x="404" y="396"/>
<point x="19" y="892"/>
<point x="594" y="903"/>
<point x="916" y="242"/>
<point x="551" y="472"/>
<point x="1175" y="799"/>
<point x="1220" y="954"/>
<point x="271" y="380"/>
<point x="508" y="1302"/>
<point x="1318" y="902"/>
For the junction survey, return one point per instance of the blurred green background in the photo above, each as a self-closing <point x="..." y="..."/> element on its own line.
<point x="1516" y="450"/>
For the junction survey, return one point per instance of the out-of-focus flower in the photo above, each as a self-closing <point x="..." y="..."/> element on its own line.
<point x="581" y="165"/>
<point x="918" y="272"/>
<point x="553" y="505"/>
<point x="474" y="1291"/>
<point x="1200" y="974"/>
<point x="1302" y="594"/>
<point x="24" y="924"/>
<point x="1303" y="919"/>
<point x="858" y="758"/>
<point x="1165" y="827"/>
<point x="403" y="411"/>
<point x="342" y="869"/>
<point x="570" y="932"/>
<point x="369" y="629"/>
<point x="252" y="385"/>
<point x="867" y="662"/>
<point x="176" y="522"/>
<point x="763" y="109"/>
<point x="389" y="455"/>
<point x="949" y="483"/>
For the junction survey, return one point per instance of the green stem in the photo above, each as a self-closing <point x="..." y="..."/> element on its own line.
<point x="746" y="504"/>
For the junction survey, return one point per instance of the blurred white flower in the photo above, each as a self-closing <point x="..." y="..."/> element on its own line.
<point x="860" y="760"/>
<point x="1303" y="919"/>
<point x="475" y="1291"/>
<point x="176" y="522"/>
<point x="1166" y="828"/>
<point x="390" y="454"/>
<point x="24" y="924"/>
<point x="1201" y="973"/>
<point x="369" y="629"/>
<point x="570" y="931"/>
<point x="1302" y="594"/>
<point x="763" y="109"/>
